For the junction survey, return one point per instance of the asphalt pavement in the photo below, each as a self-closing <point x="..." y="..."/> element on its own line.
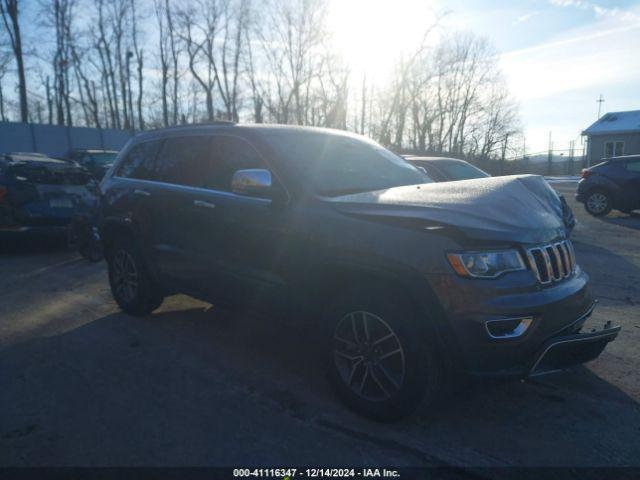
<point x="82" y="384"/>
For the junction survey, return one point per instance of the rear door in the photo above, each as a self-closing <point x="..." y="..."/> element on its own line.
<point x="129" y="198"/>
<point x="182" y="168"/>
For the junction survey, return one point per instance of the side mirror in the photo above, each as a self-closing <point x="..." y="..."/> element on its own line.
<point x="255" y="182"/>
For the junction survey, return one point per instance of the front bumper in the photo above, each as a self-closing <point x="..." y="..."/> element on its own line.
<point x="555" y="315"/>
<point x="563" y="352"/>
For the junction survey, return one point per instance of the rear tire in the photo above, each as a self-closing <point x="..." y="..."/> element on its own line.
<point x="382" y="361"/>
<point x="132" y="286"/>
<point x="92" y="250"/>
<point x="598" y="203"/>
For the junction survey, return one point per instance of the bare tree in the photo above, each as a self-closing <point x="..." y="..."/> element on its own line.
<point x="9" y="10"/>
<point x="58" y="15"/>
<point x="200" y="28"/>
<point x="106" y="65"/>
<point x="290" y="33"/>
<point x="163" y="48"/>
<point x="5" y="59"/>
<point x="139" y="54"/>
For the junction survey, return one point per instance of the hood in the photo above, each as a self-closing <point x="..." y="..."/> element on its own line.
<point x="517" y="208"/>
<point x="53" y="172"/>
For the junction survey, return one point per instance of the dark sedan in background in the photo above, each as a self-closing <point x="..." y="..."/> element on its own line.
<point x="612" y="184"/>
<point x="39" y="193"/>
<point x="443" y="169"/>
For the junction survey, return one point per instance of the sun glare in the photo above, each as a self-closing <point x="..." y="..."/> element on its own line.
<point x="372" y="34"/>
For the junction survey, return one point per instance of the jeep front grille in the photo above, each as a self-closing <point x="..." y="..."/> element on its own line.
<point x="552" y="262"/>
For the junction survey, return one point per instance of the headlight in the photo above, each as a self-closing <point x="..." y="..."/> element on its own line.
<point x="486" y="264"/>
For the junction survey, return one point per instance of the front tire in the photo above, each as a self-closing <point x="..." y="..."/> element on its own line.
<point x="132" y="286"/>
<point x="598" y="203"/>
<point x="381" y="359"/>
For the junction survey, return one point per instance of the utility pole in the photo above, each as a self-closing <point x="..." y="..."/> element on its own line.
<point x="600" y="101"/>
<point x="504" y="153"/>
<point x="364" y="103"/>
<point x="571" y="153"/>
<point x="549" y="156"/>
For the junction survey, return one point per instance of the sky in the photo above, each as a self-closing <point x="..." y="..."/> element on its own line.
<point x="558" y="56"/>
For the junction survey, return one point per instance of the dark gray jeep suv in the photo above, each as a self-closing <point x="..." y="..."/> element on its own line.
<point x="411" y="281"/>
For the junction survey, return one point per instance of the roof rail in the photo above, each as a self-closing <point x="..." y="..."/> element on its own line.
<point x="196" y="124"/>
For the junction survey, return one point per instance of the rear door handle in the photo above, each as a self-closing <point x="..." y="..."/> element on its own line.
<point x="202" y="203"/>
<point x="142" y="193"/>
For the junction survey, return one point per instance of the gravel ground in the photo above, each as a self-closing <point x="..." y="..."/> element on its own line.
<point x="84" y="385"/>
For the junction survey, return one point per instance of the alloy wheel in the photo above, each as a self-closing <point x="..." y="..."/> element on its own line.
<point x="369" y="356"/>
<point x="597" y="202"/>
<point x="125" y="276"/>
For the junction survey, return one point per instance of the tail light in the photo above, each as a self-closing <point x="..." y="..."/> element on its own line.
<point x="585" y="173"/>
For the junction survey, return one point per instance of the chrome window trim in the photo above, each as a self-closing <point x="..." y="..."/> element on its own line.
<point x="223" y="193"/>
<point x="163" y="138"/>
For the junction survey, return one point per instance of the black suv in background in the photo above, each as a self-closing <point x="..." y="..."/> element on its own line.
<point x="612" y="184"/>
<point x="97" y="162"/>
<point x="410" y="280"/>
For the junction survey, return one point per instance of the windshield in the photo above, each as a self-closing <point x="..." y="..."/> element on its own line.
<point x="333" y="165"/>
<point x="103" y="158"/>
<point x="461" y="170"/>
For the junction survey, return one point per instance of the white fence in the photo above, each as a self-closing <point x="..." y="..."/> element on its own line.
<point x="57" y="140"/>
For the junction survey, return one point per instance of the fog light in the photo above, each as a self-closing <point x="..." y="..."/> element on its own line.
<point x="508" y="327"/>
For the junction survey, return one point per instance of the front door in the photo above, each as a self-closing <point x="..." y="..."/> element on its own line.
<point x="631" y="183"/>
<point x="243" y="237"/>
<point x="181" y="167"/>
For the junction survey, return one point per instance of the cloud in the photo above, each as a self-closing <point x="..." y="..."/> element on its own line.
<point x="598" y="54"/>
<point x="598" y="9"/>
<point x="579" y="38"/>
<point x="526" y="17"/>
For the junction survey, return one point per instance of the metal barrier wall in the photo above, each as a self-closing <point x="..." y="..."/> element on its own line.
<point x="56" y="140"/>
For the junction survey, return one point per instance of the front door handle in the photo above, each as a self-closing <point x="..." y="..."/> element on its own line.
<point x="142" y="193"/>
<point x="202" y="203"/>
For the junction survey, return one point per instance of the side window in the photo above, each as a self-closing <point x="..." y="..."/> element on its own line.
<point x="231" y="154"/>
<point x="140" y="161"/>
<point x="185" y="161"/>
<point x="633" y="167"/>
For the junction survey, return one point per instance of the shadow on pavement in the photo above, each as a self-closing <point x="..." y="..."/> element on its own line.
<point x="627" y="220"/>
<point x="27" y="244"/>
<point x="204" y="386"/>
